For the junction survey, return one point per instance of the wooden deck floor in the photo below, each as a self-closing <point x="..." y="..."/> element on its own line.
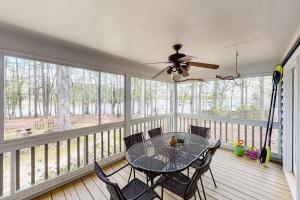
<point x="237" y="178"/>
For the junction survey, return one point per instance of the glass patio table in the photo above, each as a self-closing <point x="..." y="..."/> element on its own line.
<point x="156" y="155"/>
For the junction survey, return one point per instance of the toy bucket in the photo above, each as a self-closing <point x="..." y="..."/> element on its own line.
<point x="239" y="150"/>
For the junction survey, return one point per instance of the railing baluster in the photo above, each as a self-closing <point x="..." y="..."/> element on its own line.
<point x="245" y="137"/>
<point x="1" y="174"/>
<point x="86" y="149"/>
<point x="260" y="136"/>
<point x="102" y="149"/>
<point x="32" y="165"/>
<point x="108" y="142"/>
<point x="120" y="139"/>
<point x="46" y="160"/>
<point x="57" y="158"/>
<point x="221" y="131"/>
<point x="12" y="172"/>
<point x="115" y="150"/>
<point x="78" y="152"/>
<point x="215" y="129"/>
<point x="69" y="154"/>
<point x="95" y="147"/>
<point x="253" y="138"/>
<point x="238" y="131"/>
<point x="136" y="128"/>
<point x="17" y="170"/>
<point x="226" y="132"/>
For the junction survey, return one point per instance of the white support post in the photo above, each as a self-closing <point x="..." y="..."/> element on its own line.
<point x="2" y="74"/>
<point x="127" y="105"/>
<point x="297" y="129"/>
<point x="175" y="107"/>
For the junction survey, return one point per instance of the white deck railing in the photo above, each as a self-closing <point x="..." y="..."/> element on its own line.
<point x="75" y="150"/>
<point x="233" y="129"/>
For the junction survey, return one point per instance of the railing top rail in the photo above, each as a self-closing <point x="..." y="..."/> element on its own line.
<point x="146" y="119"/>
<point x="247" y="122"/>
<point x="31" y="141"/>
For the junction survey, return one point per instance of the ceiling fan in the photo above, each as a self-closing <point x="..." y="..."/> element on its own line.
<point x="232" y="77"/>
<point x="180" y="66"/>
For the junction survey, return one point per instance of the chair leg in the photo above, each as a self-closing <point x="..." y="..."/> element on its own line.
<point x="199" y="192"/>
<point x="188" y="171"/>
<point x="133" y="173"/>
<point x="130" y="174"/>
<point x="202" y="188"/>
<point x="212" y="177"/>
<point x="147" y="179"/>
<point x="162" y="193"/>
<point x="195" y="196"/>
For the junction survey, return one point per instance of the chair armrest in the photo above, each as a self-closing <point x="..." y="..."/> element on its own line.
<point x="144" y="191"/>
<point x="117" y="170"/>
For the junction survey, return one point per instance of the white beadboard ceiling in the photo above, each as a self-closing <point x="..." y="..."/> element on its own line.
<point x="144" y="31"/>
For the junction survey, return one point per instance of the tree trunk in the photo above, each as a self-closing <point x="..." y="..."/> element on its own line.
<point x="35" y="91"/>
<point x="64" y="122"/>
<point x="44" y="101"/>
<point x="19" y="89"/>
<point x="29" y="91"/>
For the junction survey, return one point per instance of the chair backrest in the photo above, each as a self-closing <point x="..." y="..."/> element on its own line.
<point x="213" y="149"/>
<point x="155" y="132"/>
<point x="113" y="188"/>
<point x="192" y="186"/>
<point x="133" y="139"/>
<point x="201" y="131"/>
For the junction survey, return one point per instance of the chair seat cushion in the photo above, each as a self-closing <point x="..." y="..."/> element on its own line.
<point x="174" y="186"/>
<point x="136" y="187"/>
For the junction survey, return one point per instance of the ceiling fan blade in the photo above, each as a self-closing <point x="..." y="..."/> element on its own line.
<point x="190" y="79"/>
<point x="161" y="72"/>
<point x="203" y="65"/>
<point x="154" y="63"/>
<point x="186" y="58"/>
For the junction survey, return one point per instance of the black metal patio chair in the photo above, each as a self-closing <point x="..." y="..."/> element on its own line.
<point x="134" y="190"/>
<point x="134" y="139"/>
<point x="155" y="132"/>
<point x="212" y="151"/>
<point x="182" y="185"/>
<point x="201" y="131"/>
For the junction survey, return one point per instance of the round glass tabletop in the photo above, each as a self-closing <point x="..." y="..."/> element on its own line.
<point x="156" y="154"/>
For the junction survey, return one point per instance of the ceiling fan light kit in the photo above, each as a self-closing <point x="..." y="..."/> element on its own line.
<point x="181" y="64"/>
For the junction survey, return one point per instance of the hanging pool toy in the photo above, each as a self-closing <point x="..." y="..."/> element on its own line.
<point x="265" y="153"/>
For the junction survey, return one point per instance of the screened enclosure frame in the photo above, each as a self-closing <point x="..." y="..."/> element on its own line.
<point x="171" y="121"/>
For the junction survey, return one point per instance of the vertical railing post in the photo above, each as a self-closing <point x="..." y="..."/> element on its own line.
<point x="127" y="105"/>
<point x="13" y="172"/>
<point x="86" y="149"/>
